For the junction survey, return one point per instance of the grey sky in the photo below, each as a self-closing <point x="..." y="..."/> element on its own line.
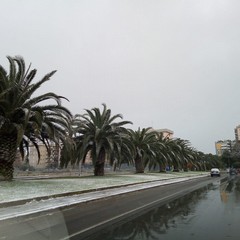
<point x="161" y="63"/>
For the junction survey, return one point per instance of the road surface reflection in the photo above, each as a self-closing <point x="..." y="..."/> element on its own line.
<point x="209" y="212"/>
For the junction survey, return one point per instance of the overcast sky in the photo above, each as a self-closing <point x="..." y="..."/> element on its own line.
<point x="161" y="63"/>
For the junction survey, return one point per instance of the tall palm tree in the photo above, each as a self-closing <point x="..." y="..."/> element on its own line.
<point x="146" y="147"/>
<point x="99" y="134"/>
<point x="23" y="117"/>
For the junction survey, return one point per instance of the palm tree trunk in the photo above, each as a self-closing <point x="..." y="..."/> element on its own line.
<point x="99" y="165"/>
<point x="8" y="150"/>
<point x="162" y="167"/>
<point x="139" y="165"/>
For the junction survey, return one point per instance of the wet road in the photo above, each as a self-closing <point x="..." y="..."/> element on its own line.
<point x="91" y="217"/>
<point x="211" y="212"/>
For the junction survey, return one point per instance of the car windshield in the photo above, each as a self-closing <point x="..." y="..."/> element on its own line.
<point x="100" y="97"/>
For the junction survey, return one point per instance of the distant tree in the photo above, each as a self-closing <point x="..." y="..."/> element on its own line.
<point x="153" y="150"/>
<point x="227" y="158"/>
<point x="186" y="154"/>
<point x="23" y="117"/>
<point x="231" y="157"/>
<point x="207" y="161"/>
<point x="236" y="151"/>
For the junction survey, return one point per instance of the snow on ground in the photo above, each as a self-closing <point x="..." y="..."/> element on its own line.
<point x="24" y="188"/>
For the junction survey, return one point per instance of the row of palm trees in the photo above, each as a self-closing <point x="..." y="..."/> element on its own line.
<point x="98" y="133"/>
<point x="27" y="118"/>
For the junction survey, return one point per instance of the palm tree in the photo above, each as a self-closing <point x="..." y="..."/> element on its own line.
<point x="186" y="153"/>
<point x="23" y="117"/>
<point x="163" y="153"/>
<point x="98" y="133"/>
<point x="180" y="153"/>
<point x="68" y="152"/>
<point x="146" y="147"/>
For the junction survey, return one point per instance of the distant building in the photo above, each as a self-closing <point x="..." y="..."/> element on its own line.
<point x="237" y="133"/>
<point x="223" y="145"/>
<point x="46" y="160"/>
<point x="167" y="133"/>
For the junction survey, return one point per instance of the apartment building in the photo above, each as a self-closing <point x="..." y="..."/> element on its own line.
<point x="223" y="145"/>
<point x="237" y="133"/>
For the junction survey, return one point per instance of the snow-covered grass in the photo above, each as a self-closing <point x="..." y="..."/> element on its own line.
<point x="20" y="189"/>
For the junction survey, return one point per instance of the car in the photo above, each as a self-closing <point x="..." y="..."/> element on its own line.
<point x="215" y="172"/>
